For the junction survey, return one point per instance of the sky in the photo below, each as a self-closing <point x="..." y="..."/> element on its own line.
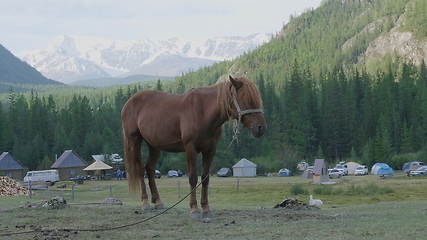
<point x="30" y="24"/>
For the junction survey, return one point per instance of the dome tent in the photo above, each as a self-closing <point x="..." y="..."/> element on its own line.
<point x="381" y="169"/>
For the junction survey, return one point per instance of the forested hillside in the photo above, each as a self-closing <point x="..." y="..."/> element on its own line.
<point x="322" y="98"/>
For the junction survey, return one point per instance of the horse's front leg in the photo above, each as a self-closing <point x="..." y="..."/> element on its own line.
<point x="191" y="156"/>
<point x="206" y="163"/>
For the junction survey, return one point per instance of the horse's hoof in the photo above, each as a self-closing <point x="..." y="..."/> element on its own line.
<point x="159" y="206"/>
<point x="147" y="207"/>
<point x="195" y="215"/>
<point x="206" y="220"/>
<point x="207" y="214"/>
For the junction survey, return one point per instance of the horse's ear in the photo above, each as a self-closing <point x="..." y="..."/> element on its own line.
<point x="236" y="83"/>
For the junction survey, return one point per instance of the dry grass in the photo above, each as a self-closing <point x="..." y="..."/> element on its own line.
<point x="246" y="214"/>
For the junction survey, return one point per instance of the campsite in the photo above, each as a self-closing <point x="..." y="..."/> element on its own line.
<point x="361" y="208"/>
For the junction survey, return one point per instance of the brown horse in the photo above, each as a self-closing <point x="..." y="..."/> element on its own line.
<point x="191" y="123"/>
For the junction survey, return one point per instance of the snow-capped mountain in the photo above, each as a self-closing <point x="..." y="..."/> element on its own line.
<point x="72" y="58"/>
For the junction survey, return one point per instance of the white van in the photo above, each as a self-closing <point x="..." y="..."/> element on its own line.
<point x="50" y="176"/>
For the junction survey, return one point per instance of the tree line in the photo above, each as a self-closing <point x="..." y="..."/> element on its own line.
<point x="339" y="115"/>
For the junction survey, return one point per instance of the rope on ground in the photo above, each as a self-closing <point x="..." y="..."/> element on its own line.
<point x="110" y="228"/>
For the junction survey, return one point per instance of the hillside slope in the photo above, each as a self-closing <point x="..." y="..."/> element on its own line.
<point x="360" y="33"/>
<point x="13" y="70"/>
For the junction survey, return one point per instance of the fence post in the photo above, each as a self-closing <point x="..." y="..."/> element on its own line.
<point x="29" y="189"/>
<point x="178" y="186"/>
<point x="72" y="192"/>
<point x="237" y="184"/>
<point x="111" y="191"/>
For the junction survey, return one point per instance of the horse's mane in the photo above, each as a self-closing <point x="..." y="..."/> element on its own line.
<point x="249" y="94"/>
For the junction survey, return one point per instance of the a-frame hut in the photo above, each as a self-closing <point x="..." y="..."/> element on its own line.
<point x="98" y="168"/>
<point x="320" y="171"/>
<point x="69" y="165"/>
<point x="10" y="167"/>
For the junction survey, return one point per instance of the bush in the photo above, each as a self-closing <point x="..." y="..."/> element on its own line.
<point x="370" y="189"/>
<point x="324" y="190"/>
<point x="298" y="189"/>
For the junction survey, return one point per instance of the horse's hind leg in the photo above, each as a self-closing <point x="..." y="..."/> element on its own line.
<point x="150" y="167"/>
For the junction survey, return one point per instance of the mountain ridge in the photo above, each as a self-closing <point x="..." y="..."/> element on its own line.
<point x="72" y="58"/>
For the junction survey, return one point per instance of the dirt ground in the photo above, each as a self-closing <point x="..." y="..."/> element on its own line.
<point x="174" y="224"/>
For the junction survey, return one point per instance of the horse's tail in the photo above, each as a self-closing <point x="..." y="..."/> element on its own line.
<point x="132" y="150"/>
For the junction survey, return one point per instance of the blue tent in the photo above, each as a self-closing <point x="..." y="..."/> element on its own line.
<point x="284" y="172"/>
<point x="381" y="169"/>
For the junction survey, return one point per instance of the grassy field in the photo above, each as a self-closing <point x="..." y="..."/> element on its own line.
<point x="355" y="208"/>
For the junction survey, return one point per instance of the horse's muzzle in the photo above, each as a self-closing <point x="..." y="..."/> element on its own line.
<point x="258" y="130"/>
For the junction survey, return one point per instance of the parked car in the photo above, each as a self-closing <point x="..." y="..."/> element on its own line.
<point x="78" y="179"/>
<point x="115" y="158"/>
<point x="408" y="166"/>
<point x="342" y="168"/>
<point x="284" y="172"/>
<point x="173" y="173"/>
<point x="302" y="166"/>
<point x="224" y="172"/>
<point x="361" y="170"/>
<point x="335" y="173"/>
<point x="49" y="176"/>
<point x="419" y="171"/>
<point x="157" y="174"/>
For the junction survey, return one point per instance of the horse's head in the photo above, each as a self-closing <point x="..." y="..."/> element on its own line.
<point x="248" y="106"/>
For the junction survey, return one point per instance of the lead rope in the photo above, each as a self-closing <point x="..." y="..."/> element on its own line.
<point x="236" y="123"/>
<point x="235" y="132"/>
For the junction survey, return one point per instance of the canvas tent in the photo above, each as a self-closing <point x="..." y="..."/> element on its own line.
<point x="351" y="167"/>
<point x="244" y="168"/>
<point x="381" y="169"/>
<point x="69" y="164"/>
<point x="10" y="167"/>
<point x="320" y="171"/>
